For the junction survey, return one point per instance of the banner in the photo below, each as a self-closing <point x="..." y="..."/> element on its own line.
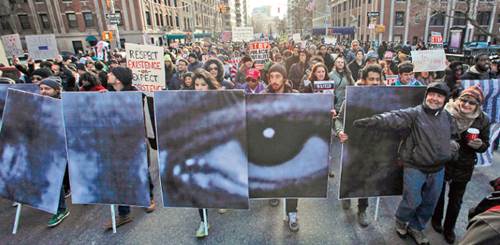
<point x="12" y="45"/>
<point x="259" y="51"/>
<point x="42" y="47"/>
<point x="147" y="65"/>
<point x="32" y="150"/>
<point x="242" y="34"/>
<point x="428" y="60"/>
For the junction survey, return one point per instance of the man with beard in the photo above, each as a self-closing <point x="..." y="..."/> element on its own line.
<point x="52" y="88"/>
<point x="428" y="146"/>
<point x="481" y="69"/>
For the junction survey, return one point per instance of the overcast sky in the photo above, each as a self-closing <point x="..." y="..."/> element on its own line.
<point x="275" y="5"/>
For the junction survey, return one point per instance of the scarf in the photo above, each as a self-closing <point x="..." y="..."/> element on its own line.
<point x="464" y="121"/>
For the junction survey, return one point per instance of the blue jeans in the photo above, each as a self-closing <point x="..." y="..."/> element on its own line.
<point x="420" y="195"/>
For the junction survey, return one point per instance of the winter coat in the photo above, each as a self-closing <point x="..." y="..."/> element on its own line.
<point x="220" y="73"/>
<point x="176" y="81"/>
<point x="460" y="170"/>
<point x="474" y="74"/>
<point x="193" y="66"/>
<point x="288" y="89"/>
<point x="296" y="73"/>
<point x="95" y="88"/>
<point x="354" y="67"/>
<point x="341" y="82"/>
<point x="290" y="61"/>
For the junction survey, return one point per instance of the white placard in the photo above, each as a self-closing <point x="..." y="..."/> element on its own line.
<point x="242" y="34"/>
<point x="12" y="45"/>
<point x="428" y="60"/>
<point x="42" y="47"/>
<point x="147" y="65"/>
<point x="296" y="37"/>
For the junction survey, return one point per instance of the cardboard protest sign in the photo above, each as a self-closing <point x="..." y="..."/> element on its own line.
<point x="391" y="79"/>
<point x="202" y="151"/>
<point x="106" y="148"/>
<point x="288" y="139"/>
<point x="369" y="157"/>
<point x="324" y="86"/>
<point x="12" y="45"/>
<point x="28" y="87"/>
<point x="147" y="65"/>
<point x="259" y="51"/>
<point x="42" y="47"/>
<point x="242" y="34"/>
<point x="32" y="150"/>
<point x="428" y="60"/>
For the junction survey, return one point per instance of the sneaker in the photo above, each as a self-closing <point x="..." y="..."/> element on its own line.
<point x="346" y="204"/>
<point x="418" y="236"/>
<point x="293" y="223"/>
<point x="152" y="207"/>
<point x="58" y="218"/>
<point x="437" y="226"/>
<point x="221" y="211"/>
<point x="401" y="228"/>
<point x="274" y="202"/>
<point x="121" y="220"/>
<point x="200" y="233"/>
<point x="67" y="194"/>
<point x="363" y="219"/>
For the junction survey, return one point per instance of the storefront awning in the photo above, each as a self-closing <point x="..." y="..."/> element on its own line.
<point x="175" y="36"/>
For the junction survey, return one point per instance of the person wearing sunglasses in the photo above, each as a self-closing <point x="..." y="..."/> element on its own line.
<point x="466" y="111"/>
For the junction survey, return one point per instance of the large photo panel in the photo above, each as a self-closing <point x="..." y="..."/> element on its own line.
<point x="202" y="148"/>
<point x="288" y="144"/>
<point x="32" y="150"/>
<point x="106" y="148"/>
<point x="369" y="158"/>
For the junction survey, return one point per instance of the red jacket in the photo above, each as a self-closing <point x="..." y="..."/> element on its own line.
<point x="96" y="88"/>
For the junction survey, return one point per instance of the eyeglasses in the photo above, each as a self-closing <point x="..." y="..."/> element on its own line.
<point x="470" y="102"/>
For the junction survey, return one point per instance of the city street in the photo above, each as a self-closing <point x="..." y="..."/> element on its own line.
<point x="321" y="222"/>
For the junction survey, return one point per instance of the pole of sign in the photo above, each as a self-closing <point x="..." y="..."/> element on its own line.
<point x="16" y="221"/>
<point x="113" y="218"/>
<point x="117" y="36"/>
<point x="377" y="208"/>
<point x="205" y="221"/>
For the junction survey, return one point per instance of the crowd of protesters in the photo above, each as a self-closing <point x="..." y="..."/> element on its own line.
<point x="430" y="163"/>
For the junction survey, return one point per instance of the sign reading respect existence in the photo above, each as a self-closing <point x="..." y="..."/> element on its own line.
<point x="12" y="45"/>
<point x="41" y="47"/>
<point x="259" y="51"/>
<point x="147" y="65"/>
<point x="429" y="60"/>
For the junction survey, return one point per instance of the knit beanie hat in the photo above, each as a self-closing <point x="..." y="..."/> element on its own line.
<point x="42" y="72"/>
<point x="51" y="82"/>
<point x="124" y="74"/>
<point x="278" y="68"/>
<point x="475" y="92"/>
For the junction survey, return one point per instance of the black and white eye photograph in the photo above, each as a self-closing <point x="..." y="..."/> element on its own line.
<point x="288" y="144"/>
<point x="106" y="148"/>
<point x="32" y="150"/>
<point x="202" y="148"/>
<point x="370" y="166"/>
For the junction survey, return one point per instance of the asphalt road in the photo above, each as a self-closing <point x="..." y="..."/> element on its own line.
<point x="322" y="221"/>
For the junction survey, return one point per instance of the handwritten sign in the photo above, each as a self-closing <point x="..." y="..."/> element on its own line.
<point x="324" y="87"/>
<point x="12" y="45"/>
<point x="42" y="47"/>
<point x="429" y="60"/>
<point x="147" y="65"/>
<point x="259" y="51"/>
<point x="390" y="79"/>
<point x="242" y="34"/>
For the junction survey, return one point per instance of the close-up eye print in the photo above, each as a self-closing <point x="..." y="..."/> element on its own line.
<point x="288" y="143"/>
<point x="202" y="148"/>
<point x="32" y="161"/>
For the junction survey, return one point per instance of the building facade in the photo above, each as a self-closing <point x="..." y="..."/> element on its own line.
<point x="75" y="22"/>
<point x="414" y="20"/>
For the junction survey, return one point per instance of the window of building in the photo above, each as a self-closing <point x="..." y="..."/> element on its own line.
<point x="148" y="18"/>
<point x="88" y="17"/>
<point x="44" y="20"/>
<point x="498" y="19"/>
<point x="24" y="21"/>
<point x="480" y="38"/>
<point x="161" y="20"/>
<point x="157" y="19"/>
<point x="4" y="20"/>
<point x="71" y="17"/>
<point x="459" y="19"/>
<point x="483" y="17"/>
<point x="399" y="18"/>
<point x="119" y="12"/>
<point x="171" y="20"/>
<point x="437" y="19"/>
<point x="77" y="46"/>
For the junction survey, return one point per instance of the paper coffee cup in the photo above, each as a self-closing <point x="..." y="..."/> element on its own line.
<point x="472" y="133"/>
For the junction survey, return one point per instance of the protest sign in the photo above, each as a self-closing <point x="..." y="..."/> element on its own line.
<point x="28" y="87"/>
<point x="41" y="47"/>
<point x="428" y="60"/>
<point x="370" y="156"/>
<point x="390" y="79"/>
<point x="296" y="37"/>
<point x="147" y="65"/>
<point x="12" y="45"/>
<point x="106" y="148"/>
<point x="323" y="86"/>
<point x="259" y="51"/>
<point x="33" y="158"/>
<point x="202" y="152"/>
<point x="242" y="34"/>
<point x="288" y="139"/>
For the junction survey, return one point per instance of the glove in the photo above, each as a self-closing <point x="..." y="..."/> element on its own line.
<point x="365" y="122"/>
<point x="475" y="143"/>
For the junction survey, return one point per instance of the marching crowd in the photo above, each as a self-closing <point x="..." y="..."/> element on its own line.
<point x="438" y="152"/>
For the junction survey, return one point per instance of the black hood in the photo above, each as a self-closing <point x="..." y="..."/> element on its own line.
<point x="220" y="68"/>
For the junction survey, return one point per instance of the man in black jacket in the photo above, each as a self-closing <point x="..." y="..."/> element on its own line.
<point x="480" y="70"/>
<point x="423" y="152"/>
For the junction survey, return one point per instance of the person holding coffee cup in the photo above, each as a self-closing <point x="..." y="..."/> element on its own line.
<point x="474" y="127"/>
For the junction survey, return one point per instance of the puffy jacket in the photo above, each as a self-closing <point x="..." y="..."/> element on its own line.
<point x="474" y="74"/>
<point x="460" y="170"/>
